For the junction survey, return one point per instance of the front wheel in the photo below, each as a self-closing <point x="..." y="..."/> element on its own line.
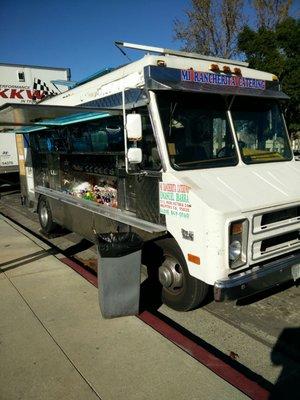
<point x="45" y="216"/>
<point x="181" y="291"/>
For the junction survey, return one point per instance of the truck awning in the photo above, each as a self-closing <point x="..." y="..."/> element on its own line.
<point x="162" y="78"/>
<point x="22" y="118"/>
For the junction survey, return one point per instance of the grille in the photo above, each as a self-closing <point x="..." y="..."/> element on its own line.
<point x="281" y="215"/>
<point x="280" y="241"/>
<point x="276" y="244"/>
<point x="276" y="219"/>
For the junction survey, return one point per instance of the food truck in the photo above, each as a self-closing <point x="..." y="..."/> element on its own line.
<point x="188" y="151"/>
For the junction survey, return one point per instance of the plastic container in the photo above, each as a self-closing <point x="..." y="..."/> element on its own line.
<point x="119" y="273"/>
<point x="99" y="141"/>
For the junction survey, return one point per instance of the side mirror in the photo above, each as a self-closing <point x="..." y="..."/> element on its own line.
<point x="134" y="155"/>
<point x="134" y="127"/>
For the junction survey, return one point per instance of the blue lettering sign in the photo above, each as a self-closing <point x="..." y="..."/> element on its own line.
<point x="185" y="75"/>
<point x="223" y="80"/>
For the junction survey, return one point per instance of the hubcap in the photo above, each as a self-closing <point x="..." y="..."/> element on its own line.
<point x="170" y="274"/>
<point x="44" y="215"/>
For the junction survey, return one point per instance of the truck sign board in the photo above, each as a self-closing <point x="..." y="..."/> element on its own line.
<point x="224" y="80"/>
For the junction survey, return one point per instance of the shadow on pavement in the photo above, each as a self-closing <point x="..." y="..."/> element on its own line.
<point x="22" y="258"/>
<point x="78" y="247"/>
<point x="27" y="259"/>
<point x="286" y="352"/>
<point x="266" y="293"/>
<point x="60" y="231"/>
<point x="264" y="383"/>
<point x="150" y="295"/>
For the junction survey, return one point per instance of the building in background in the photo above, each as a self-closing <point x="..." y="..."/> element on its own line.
<point x="26" y="84"/>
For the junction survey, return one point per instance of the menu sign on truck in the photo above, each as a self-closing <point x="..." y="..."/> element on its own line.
<point x="174" y="200"/>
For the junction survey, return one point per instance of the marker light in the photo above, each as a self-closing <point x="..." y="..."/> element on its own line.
<point x="237" y="228"/>
<point x="214" y="68"/>
<point x="161" y="63"/>
<point x="194" y="259"/>
<point x="226" y="69"/>
<point x="237" y="71"/>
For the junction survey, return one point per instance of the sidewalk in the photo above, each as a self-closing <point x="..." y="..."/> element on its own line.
<point x="54" y="344"/>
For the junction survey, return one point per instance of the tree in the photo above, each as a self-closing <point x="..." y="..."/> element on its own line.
<point x="271" y="12"/>
<point x="217" y="27"/>
<point x="277" y="51"/>
<point x="212" y="27"/>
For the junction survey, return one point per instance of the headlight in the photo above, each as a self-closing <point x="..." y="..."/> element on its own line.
<point x="235" y="249"/>
<point x="238" y="243"/>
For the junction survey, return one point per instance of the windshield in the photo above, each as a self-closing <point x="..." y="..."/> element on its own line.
<point x="260" y="130"/>
<point x="196" y="130"/>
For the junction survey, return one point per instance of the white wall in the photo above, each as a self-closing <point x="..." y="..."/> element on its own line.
<point x="14" y="90"/>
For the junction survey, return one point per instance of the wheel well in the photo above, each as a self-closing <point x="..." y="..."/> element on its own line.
<point x="168" y="237"/>
<point x="153" y="250"/>
<point x="40" y="198"/>
<point x="180" y="294"/>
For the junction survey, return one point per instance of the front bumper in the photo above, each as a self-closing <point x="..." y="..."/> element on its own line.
<point x="258" y="279"/>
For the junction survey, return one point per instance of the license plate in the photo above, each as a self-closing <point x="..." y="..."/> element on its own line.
<point x="296" y="271"/>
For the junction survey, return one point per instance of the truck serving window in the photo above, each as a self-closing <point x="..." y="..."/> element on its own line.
<point x="260" y="130"/>
<point x="97" y="136"/>
<point x="196" y="130"/>
<point x="104" y="135"/>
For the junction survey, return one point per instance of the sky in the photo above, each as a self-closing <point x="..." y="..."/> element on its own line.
<point x="80" y="34"/>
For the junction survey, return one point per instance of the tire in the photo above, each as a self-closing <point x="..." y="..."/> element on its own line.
<point x="185" y="292"/>
<point x="45" y="216"/>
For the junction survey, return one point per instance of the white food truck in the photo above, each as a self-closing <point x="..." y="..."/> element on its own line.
<point x="190" y="152"/>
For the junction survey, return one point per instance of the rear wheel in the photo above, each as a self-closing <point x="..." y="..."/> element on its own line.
<point x="181" y="291"/>
<point x="45" y="216"/>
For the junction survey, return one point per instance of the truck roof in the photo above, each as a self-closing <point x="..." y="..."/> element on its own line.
<point x="133" y="72"/>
